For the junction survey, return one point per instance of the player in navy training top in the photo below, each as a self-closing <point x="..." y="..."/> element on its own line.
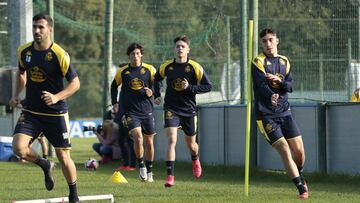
<point x="136" y="80"/>
<point x="272" y="81"/>
<point x="43" y="65"/>
<point x="184" y="78"/>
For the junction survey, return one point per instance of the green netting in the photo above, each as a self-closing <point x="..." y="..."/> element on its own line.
<point x="321" y="39"/>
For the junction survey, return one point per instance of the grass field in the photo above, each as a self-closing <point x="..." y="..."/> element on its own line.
<point x="21" y="181"/>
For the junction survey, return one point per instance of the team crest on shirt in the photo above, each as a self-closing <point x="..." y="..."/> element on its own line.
<point x="168" y="115"/>
<point x="187" y="69"/>
<point x="282" y="62"/>
<point x="269" y="128"/>
<point x="28" y="56"/>
<point x="21" y="119"/>
<point x="136" y="84"/>
<point x="268" y="63"/>
<point x="176" y="84"/>
<point x="171" y="68"/>
<point x="48" y="56"/>
<point x="37" y="74"/>
<point x="142" y="71"/>
<point x="127" y="72"/>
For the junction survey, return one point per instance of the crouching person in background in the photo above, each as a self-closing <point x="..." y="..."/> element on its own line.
<point x="108" y="148"/>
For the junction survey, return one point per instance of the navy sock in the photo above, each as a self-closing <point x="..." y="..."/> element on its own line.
<point x="194" y="157"/>
<point x="297" y="181"/>
<point x="149" y="165"/>
<point x="43" y="163"/>
<point x="73" y="192"/>
<point x="170" y="167"/>
<point x="140" y="162"/>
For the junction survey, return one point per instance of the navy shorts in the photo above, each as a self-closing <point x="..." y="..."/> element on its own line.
<point x="55" y="127"/>
<point x="276" y="128"/>
<point x="186" y="123"/>
<point x="147" y="124"/>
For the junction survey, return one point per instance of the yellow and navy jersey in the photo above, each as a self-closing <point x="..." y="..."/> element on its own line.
<point x="264" y="89"/>
<point x="133" y="98"/>
<point x="182" y="102"/>
<point x="45" y="71"/>
<point x="355" y="96"/>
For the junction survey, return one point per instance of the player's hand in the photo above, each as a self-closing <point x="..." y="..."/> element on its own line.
<point x="273" y="78"/>
<point x="184" y="84"/>
<point x="15" y="102"/>
<point x="115" y="108"/>
<point x="148" y="91"/>
<point x="49" y="98"/>
<point x="274" y="99"/>
<point x="157" y="101"/>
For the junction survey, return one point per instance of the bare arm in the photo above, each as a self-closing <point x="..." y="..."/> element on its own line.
<point x="20" y="85"/>
<point x="70" y="89"/>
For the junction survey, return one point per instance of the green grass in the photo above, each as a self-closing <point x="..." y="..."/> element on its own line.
<point x="21" y="181"/>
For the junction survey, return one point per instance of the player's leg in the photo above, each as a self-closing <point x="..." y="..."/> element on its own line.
<point x="149" y="159"/>
<point x="69" y="170"/>
<point x="171" y="133"/>
<point x="139" y="151"/>
<point x="27" y="129"/>
<point x="283" y="149"/>
<point x="148" y="128"/>
<point x="188" y="125"/>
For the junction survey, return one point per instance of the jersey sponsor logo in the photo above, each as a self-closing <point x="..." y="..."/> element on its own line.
<point x="187" y="69"/>
<point x="143" y="71"/>
<point x="28" y="56"/>
<point x="136" y="84"/>
<point x="37" y="74"/>
<point x="48" y="56"/>
<point x="176" y="84"/>
<point x="168" y="115"/>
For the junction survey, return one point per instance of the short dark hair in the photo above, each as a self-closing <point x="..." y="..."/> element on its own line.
<point x="267" y="31"/>
<point x="46" y="17"/>
<point x="134" y="46"/>
<point x="184" y="38"/>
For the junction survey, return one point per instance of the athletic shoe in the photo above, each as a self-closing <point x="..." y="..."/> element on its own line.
<point x="143" y="173"/>
<point x="74" y="199"/>
<point x="49" y="176"/>
<point x="125" y="168"/>
<point x="150" y="178"/>
<point x="196" y="167"/>
<point x="169" y="181"/>
<point x="304" y="195"/>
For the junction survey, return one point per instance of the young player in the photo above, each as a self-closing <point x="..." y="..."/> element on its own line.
<point x="272" y="81"/>
<point x="184" y="78"/>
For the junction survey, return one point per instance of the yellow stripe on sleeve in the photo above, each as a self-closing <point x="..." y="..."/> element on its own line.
<point x="118" y="77"/>
<point x="199" y="71"/>
<point x="63" y="58"/>
<point x="151" y="69"/>
<point x="163" y="67"/>
<point x="259" y="62"/>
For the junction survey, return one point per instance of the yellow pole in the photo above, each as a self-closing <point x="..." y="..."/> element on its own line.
<point x="248" y="110"/>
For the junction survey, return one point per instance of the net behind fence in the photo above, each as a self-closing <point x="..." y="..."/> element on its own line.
<point x="321" y="39"/>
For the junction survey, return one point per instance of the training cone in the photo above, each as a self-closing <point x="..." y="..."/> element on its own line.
<point x="117" y="177"/>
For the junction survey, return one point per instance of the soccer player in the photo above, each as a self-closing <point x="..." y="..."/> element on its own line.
<point x="272" y="82"/>
<point x="43" y="65"/>
<point x="355" y="97"/>
<point x="135" y="102"/>
<point x="184" y="78"/>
